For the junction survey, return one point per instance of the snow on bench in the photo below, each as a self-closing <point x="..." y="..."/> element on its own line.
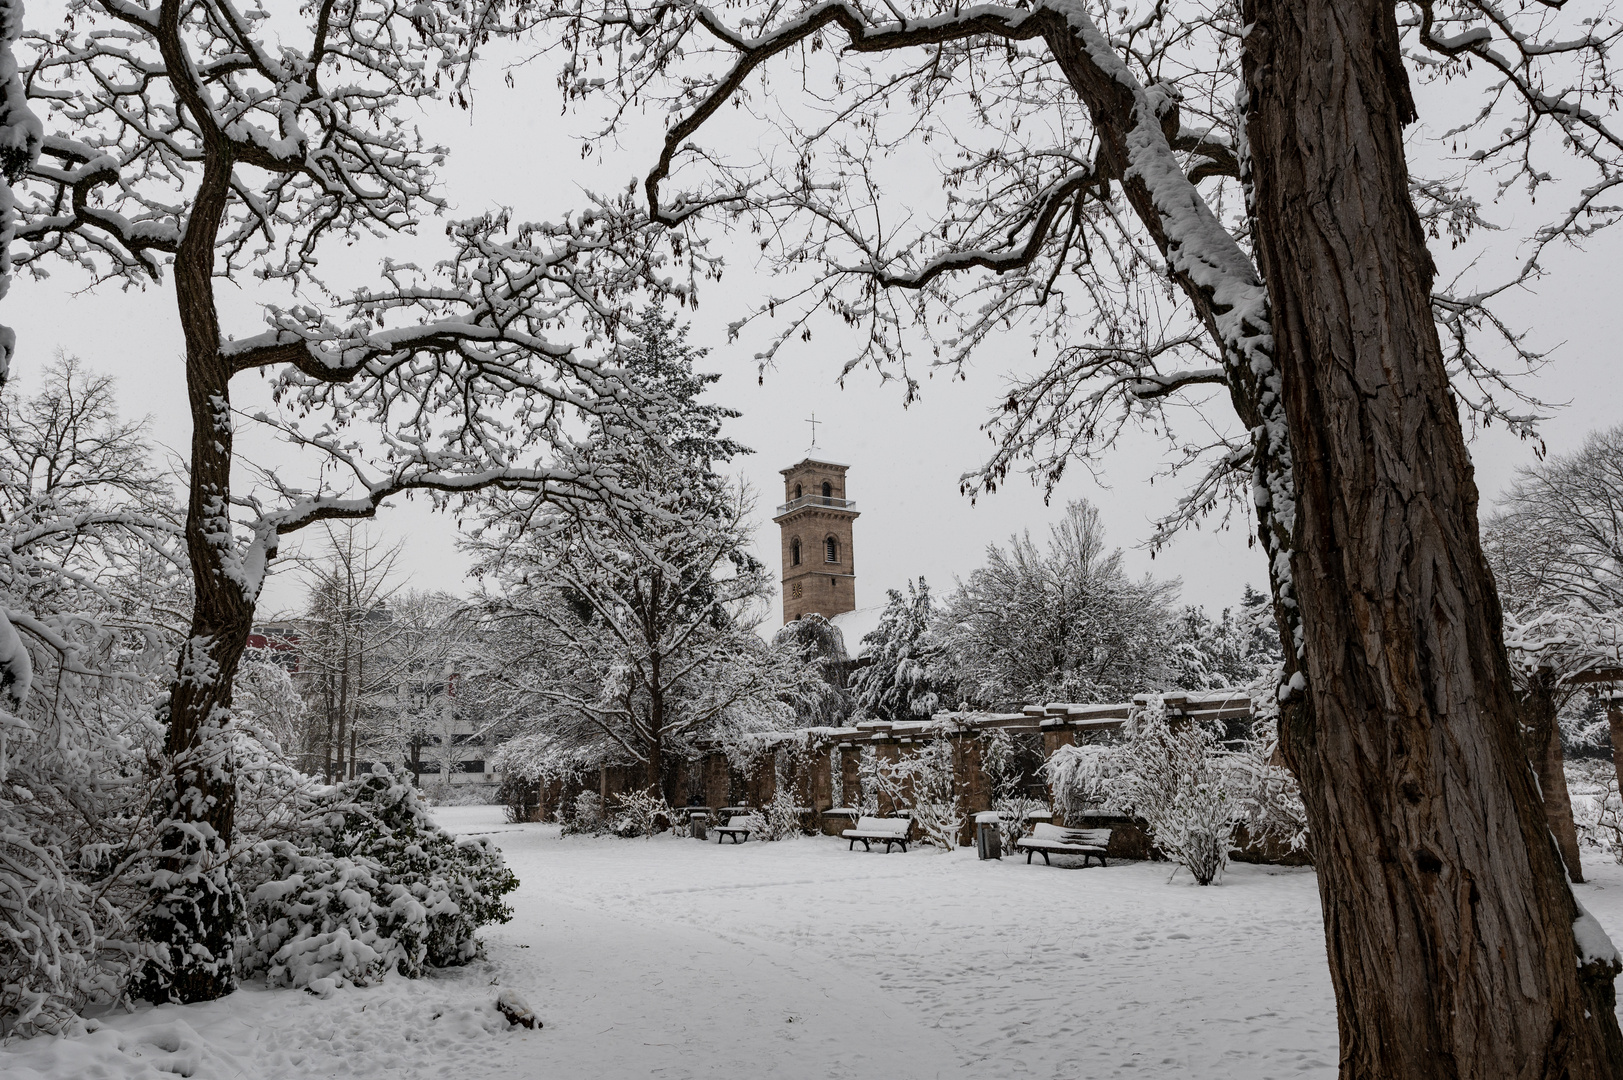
<point x="870" y="830"/>
<point x="739" y="827"/>
<point x="1046" y="839"/>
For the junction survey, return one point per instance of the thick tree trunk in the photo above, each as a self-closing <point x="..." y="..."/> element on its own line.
<point x="1541" y="734"/>
<point x="1448" y="918"/>
<point x="1614" y="720"/>
<point x="194" y="914"/>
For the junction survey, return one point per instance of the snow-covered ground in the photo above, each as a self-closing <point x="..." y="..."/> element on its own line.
<point x="670" y="958"/>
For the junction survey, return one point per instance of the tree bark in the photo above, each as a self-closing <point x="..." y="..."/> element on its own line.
<point x="195" y="902"/>
<point x="1614" y="720"/>
<point x="1541" y="734"/>
<point x="1448" y="918"/>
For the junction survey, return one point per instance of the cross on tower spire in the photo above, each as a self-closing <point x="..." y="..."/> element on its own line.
<point x="814" y="422"/>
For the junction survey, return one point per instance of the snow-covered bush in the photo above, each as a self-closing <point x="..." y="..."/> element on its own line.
<point x="640" y="813"/>
<point x="370" y="886"/>
<point x="782" y="816"/>
<point x="519" y="797"/>
<point x="1171" y="777"/>
<point x="1013" y="813"/>
<point x="1267" y="797"/>
<point x="75" y="845"/>
<point x="790" y="760"/>
<point x="585" y="815"/>
<point x="1081" y="776"/>
<point x="924" y="782"/>
<point x="66" y="891"/>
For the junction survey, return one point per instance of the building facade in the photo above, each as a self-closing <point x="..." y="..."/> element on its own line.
<point x="819" y="568"/>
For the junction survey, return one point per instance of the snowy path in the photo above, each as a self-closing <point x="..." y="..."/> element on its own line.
<point x="673" y="959"/>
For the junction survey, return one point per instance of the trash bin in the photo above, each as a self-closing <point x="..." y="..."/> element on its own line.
<point x="696" y="823"/>
<point x="988" y="835"/>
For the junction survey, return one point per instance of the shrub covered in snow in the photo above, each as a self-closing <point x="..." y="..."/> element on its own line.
<point x="924" y="783"/>
<point x="584" y="815"/>
<point x="74" y="843"/>
<point x="1081" y="776"/>
<point x="371" y="886"/>
<point x="1171" y="777"/>
<point x="519" y="797"/>
<point x="782" y="816"/>
<point x="642" y="813"/>
<point x="1013" y="814"/>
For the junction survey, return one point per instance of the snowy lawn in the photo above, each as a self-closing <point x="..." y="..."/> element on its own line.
<point x="671" y="958"/>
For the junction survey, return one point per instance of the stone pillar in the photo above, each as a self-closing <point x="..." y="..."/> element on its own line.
<point x="974" y="789"/>
<point x="821" y="779"/>
<point x="716" y="780"/>
<point x="850" y="758"/>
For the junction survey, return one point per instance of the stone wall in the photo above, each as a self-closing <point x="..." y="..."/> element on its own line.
<point x="714" y="779"/>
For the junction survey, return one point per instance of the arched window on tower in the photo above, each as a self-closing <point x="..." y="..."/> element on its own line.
<point x="831" y="550"/>
<point x="797" y="491"/>
<point x="794" y="552"/>
<point x="828" y="489"/>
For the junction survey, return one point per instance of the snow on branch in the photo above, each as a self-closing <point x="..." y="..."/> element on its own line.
<point x="1570" y="644"/>
<point x="147" y="89"/>
<point x="20" y="135"/>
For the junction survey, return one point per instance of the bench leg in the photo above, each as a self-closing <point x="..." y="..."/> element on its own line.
<point x="1029" y="854"/>
<point x="1046" y="860"/>
<point x="853" y="846"/>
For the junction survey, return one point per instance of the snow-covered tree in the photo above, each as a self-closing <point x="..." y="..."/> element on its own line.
<point x="829" y="703"/>
<point x="1235" y="649"/>
<point x="417" y="719"/>
<point x="906" y="677"/>
<point x="1061" y="623"/>
<point x="1225" y="205"/>
<point x="1555" y="542"/>
<point x="214" y="143"/>
<point x="642" y="622"/>
<point x="1556" y="537"/>
<point x="89" y="583"/>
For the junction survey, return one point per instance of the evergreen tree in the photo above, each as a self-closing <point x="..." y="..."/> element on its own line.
<point x="621" y="634"/>
<point x="905" y="678"/>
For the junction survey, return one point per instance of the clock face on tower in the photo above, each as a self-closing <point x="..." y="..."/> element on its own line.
<point x="815" y="522"/>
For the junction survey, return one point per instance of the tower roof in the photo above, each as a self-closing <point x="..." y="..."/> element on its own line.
<point x="813" y="461"/>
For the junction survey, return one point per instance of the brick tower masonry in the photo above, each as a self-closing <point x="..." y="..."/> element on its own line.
<point x="819" y="574"/>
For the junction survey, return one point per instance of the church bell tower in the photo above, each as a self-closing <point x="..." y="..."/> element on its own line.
<point x="819" y="573"/>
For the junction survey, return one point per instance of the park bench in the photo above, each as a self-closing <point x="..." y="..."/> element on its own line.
<point x="1046" y="839"/>
<point x="871" y="830"/>
<point x="739" y="827"/>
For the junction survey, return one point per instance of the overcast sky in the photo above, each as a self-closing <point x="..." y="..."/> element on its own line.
<point x="515" y="149"/>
